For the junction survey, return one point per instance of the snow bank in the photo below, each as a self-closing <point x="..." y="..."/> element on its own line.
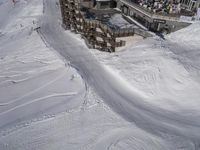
<point x="163" y="70"/>
<point x="189" y="36"/>
<point x="185" y="46"/>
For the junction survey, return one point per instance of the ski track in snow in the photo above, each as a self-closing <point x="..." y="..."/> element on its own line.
<point x="34" y="82"/>
<point x="37" y="100"/>
<point x="34" y="91"/>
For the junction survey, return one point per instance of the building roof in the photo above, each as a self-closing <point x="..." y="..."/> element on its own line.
<point x="103" y="0"/>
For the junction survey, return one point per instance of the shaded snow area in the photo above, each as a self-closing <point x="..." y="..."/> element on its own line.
<point x="120" y="22"/>
<point x="143" y="98"/>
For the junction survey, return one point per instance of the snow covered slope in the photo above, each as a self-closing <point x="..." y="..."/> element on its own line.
<point x="188" y="37"/>
<point x="131" y="103"/>
<point x="34" y="81"/>
<point x="166" y="71"/>
<point x="44" y="103"/>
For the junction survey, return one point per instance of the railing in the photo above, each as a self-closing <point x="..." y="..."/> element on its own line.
<point x="124" y="32"/>
<point x="113" y="44"/>
<point x="112" y="32"/>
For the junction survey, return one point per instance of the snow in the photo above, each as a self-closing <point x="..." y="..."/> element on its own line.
<point x="188" y="36"/>
<point x="147" y="65"/>
<point x="167" y="72"/>
<point x="129" y="41"/>
<point x="34" y="81"/>
<point x="144" y="97"/>
<point x="94" y="128"/>
<point x="148" y="115"/>
<point x="120" y="22"/>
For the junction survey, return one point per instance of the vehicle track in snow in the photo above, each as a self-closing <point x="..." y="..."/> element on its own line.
<point x="126" y="101"/>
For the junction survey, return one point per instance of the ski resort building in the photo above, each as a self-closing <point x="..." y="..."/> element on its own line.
<point x="103" y="26"/>
<point x="165" y="16"/>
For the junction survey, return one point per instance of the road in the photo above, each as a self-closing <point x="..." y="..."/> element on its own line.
<point x="126" y="101"/>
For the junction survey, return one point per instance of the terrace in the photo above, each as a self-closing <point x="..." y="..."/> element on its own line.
<point x="110" y="17"/>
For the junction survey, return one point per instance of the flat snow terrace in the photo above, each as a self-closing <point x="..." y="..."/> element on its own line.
<point x="110" y="17"/>
<point x="122" y="98"/>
